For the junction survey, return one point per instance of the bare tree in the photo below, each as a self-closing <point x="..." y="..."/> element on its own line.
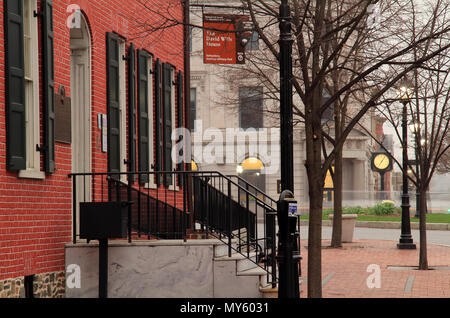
<point x="393" y="43"/>
<point x="429" y="113"/>
<point x="325" y="33"/>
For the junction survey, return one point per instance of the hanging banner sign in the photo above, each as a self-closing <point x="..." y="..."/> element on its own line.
<point x="221" y="44"/>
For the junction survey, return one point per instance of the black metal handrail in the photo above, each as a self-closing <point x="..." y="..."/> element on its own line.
<point x="160" y="208"/>
<point x="248" y="186"/>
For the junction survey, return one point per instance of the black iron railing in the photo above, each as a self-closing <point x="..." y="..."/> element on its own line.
<point x="224" y="207"/>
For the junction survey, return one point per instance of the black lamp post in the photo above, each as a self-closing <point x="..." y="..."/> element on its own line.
<point x="406" y="241"/>
<point x="414" y="127"/>
<point x="287" y="256"/>
<point x="286" y="133"/>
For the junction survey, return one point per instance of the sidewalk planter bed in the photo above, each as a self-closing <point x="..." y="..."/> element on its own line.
<point x="348" y="226"/>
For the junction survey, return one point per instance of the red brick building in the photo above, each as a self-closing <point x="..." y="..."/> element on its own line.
<point x="65" y="67"/>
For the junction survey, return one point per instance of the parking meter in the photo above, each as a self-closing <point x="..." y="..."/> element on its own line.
<point x="288" y="249"/>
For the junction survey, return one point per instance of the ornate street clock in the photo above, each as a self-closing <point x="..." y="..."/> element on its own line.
<point x="381" y="162"/>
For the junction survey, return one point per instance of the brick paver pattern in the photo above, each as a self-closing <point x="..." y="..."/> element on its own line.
<point x="344" y="271"/>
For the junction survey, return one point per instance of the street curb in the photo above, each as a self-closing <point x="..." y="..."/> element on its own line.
<point x="387" y="225"/>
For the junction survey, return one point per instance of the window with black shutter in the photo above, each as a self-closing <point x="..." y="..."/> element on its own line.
<point x="158" y="121"/>
<point x="143" y="110"/>
<point x="48" y="84"/>
<point x="23" y="144"/>
<point x="113" y="101"/>
<point x="180" y="98"/>
<point x="132" y="110"/>
<point x="180" y="117"/>
<point x="15" y="86"/>
<point x="167" y="117"/>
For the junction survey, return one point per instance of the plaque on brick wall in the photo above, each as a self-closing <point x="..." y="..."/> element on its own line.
<point x="63" y="119"/>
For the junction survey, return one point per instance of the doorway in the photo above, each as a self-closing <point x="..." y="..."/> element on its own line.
<point x="80" y="84"/>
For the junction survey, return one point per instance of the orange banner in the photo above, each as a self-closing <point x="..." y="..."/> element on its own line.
<point x="220" y="45"/>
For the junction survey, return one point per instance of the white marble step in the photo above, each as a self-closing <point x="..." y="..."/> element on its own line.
<point x="257" y="271"/>
<point x="222" y="249"/>
<point x="242" y="262"/>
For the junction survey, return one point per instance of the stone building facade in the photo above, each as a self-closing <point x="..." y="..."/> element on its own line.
<point x="218" y="103"/>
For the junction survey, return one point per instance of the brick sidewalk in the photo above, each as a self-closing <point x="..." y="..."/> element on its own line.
<point x="344" y="271"/>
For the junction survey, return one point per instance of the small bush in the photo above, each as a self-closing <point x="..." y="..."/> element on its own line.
<point x="384" y="209"/>
<point x="353" y="210"/>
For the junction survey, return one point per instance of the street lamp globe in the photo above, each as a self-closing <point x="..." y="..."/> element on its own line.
<point x="414" y="127"/>
<point x="406" y="89"/>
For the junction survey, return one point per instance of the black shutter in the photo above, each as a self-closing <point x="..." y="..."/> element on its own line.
<point x="132" y="111"/>
<point x="143" y="104"/>
<point x="49" y="85"/>
<point x="180" y="94"/>
<point x="158" y="121"/>
<point x="180" y="103"/>
<point x="113" y="101"/>
<point x="167" y="108"/>
<point x="15" y="86"/>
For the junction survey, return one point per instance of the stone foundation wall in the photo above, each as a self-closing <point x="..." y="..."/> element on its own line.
<point x="46" y="285"/>
<point x="49" y="285"/>
<point x="12" y="288"/>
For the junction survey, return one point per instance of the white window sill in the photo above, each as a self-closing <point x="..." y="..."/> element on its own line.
<point x="32" y="174"/>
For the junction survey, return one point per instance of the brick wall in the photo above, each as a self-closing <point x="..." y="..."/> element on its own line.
<point x="36" y="215"/>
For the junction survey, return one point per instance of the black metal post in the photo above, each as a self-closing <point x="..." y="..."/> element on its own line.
<point x="285" y="60"/>
<point x="74" y="210"/>
<point x="103" y="268"/>
<point x="230" y="220"/>
<point x="417" y="178"/>
<point x="406" y="241"/>
<point x="288" y="256"/>
<point x="288" y="277"/>
<point x="129" y="197"/>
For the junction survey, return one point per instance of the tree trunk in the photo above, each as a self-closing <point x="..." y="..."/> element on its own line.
<point x="315" y="237"/>
<point x="336" y="238"/>
<point x="315" y="185"/>
<point x="423" y="259"/>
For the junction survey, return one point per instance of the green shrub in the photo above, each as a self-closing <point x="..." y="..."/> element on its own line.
<point x="353" y="210"/>
<point x="384" y="209"/>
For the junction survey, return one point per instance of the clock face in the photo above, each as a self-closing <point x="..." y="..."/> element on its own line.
<point x="381" y="162"/>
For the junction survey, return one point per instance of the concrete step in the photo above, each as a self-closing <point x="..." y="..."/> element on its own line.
<point x="242" y="262"/>
<point x="246" y="263"/>
<point x="222" y="250"/>
<point x="228" y="284"/>
<point x="256" y="271"/>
